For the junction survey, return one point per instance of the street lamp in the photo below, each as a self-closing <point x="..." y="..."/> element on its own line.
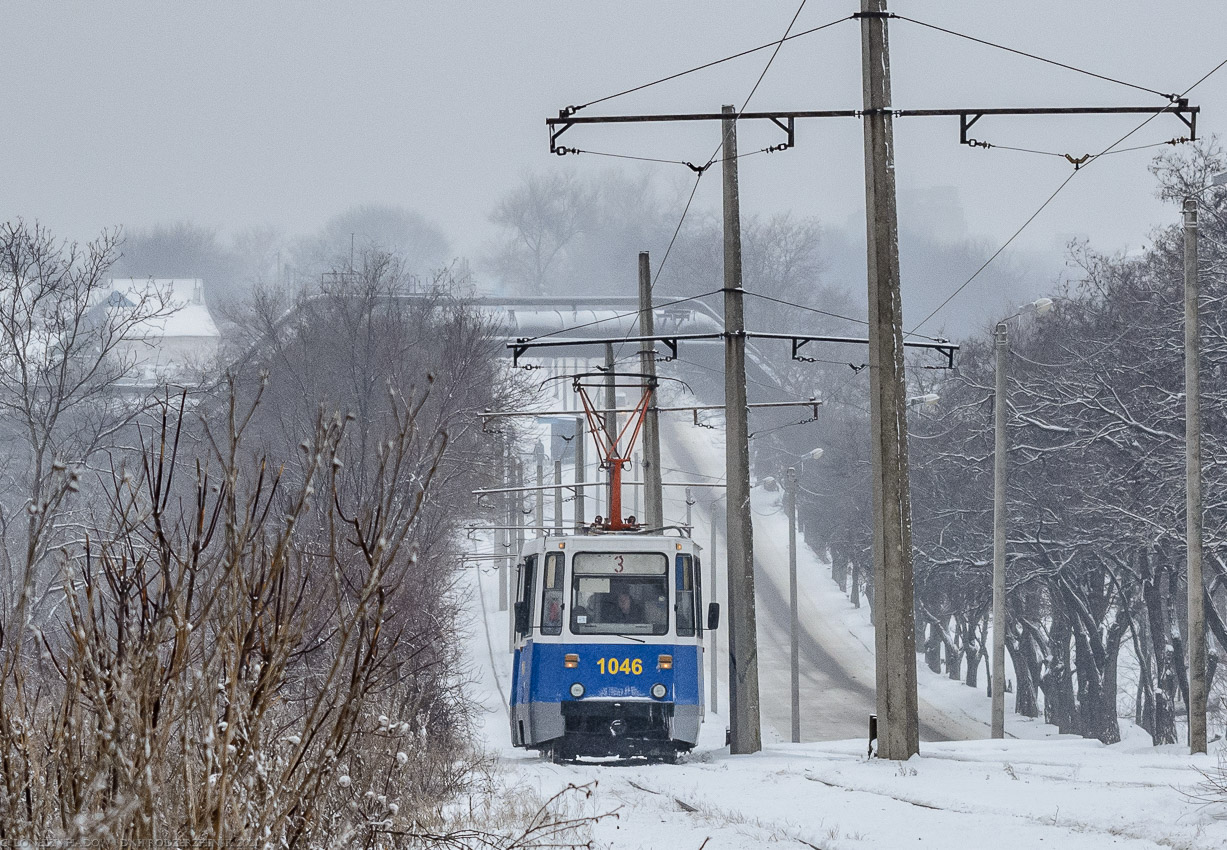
<point x="1192" y="469"/>
<point x="790" y="503"/>
<point x="926" y="400"/>
<point x="1038" y="307"/>
<point x="714" y="673"/>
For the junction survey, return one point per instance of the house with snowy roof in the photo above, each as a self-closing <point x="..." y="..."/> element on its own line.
<point x="179" y="344"/>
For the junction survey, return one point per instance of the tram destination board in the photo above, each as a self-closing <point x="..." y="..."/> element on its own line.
<point x="619" y="563"/>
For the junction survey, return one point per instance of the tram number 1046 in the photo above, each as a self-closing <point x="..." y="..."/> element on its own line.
<point x="612" y="666"/>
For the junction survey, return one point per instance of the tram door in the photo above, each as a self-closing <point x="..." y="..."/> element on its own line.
<point x="522" y="610"/>
<point x="522" y="647"/>
<point x="688" y="608"/>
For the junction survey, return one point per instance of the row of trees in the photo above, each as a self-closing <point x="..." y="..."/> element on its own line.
<point x="230" y="611"/>
<point x="1096" y="488"/>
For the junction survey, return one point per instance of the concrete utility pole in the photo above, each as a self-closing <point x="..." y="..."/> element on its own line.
<point x="611" y="421"/>
<point x="790" y="502"/>
<point x="743" y="637"/>
<point x="517" y="513"/>
<point x="653" y="499"/>
<point x="895" y="635"/>
<point x="558" y="497"/>
<point x="1193" y="506"/>
<point x="581" y="473"/>
<point x="507" y="503"/>
<point x="714" y="667"/>
<point x="636" y="466"/>
<point x="1002" y="349"/>
<point x="539" y="456"/>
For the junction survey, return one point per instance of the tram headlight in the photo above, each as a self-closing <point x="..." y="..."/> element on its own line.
<point x="577" y="690"/>
<point x="659" y="690"/>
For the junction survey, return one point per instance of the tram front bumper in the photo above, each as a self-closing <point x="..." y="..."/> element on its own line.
<point x="619" y="727"/>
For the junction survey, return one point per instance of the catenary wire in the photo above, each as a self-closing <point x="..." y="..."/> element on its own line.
<point x="637" y="158"/>
<point x="1086" y="158"/>
<point x="716" y="153"/>
<point x="788" y="396"/>
<point x="707" y="65"/>
<point x="832" y="315"/>
<point x="617" y="316"/>
<point x="1037" y="58"/>
<point x="1109" y="149"/>
<point x="826" y="313"/>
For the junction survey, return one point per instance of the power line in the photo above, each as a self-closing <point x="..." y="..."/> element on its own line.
<point x="853" y="366"/>
<point x="695" y="168"/>
<point x="1077" y="162"/>
<point x="768" y="431"/>
<point x="995" y="254"/>
<point x="1109" y="149"/>
<point x="707" y="65"/>
<point x="772" y="387"/>
<point x="784" y="303"/>
<point x="716" y="153"/>
<point x="617" y="316"/>
<point x="1037" y="58"/>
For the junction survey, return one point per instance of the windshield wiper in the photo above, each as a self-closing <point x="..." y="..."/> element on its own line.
<point x="628" y="637"/>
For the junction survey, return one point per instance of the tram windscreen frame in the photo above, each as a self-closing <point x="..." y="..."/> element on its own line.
<point x="620" y="593"/>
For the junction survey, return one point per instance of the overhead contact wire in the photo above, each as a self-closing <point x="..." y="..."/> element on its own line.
<point x="1023" y="53"/>
<point x="703" y="170"/>
<point x="707" y="65"/>
<point x="617" y="316"/>
<point x="1109" y="149"/>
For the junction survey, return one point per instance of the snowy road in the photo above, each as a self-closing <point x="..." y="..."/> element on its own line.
<point x="959" y="795"/>
<point x="962" y="795"/>
<point x="837" y="679"/>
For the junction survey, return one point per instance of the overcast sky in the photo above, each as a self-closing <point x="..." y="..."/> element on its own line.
<point x="238" y="114"/>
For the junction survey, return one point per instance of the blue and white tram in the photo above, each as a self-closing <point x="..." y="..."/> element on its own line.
<point x="608" y="644"/>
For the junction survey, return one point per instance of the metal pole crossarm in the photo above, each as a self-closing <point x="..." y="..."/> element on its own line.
<point x="521" y="346"/>
<point x="576" y="487"/>
<point x="475" y="528"/>
<point x="785" y="120"/>
<point x="941" y="346"/>
<point x="503" y="414"/>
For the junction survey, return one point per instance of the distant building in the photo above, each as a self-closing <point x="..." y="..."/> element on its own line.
<point x="178" y="347"/>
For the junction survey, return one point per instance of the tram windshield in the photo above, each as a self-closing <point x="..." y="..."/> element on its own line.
<point x="620" y="593"/>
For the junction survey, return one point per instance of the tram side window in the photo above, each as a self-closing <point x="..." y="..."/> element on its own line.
<point x="528" y="574"/>
<point x="685" y="584"/>
<point x="698" y="594"/>
<point x="551" y="605"/>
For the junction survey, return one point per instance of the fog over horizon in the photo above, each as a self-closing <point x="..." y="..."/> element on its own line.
<point x="282" y="119"/>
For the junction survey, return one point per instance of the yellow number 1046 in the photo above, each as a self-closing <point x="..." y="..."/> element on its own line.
<point x="610" y="666"/>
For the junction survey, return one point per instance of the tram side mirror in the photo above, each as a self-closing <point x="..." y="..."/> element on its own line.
<point x="713" y="616"/>
<point x="521" y="617"/>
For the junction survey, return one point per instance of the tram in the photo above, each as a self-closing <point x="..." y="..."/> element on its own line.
<point x="607" y="633"/>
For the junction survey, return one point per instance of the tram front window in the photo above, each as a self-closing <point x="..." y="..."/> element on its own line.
<point x="620" y="593"/>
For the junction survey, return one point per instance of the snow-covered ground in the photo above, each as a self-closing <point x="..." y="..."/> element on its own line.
<point x="1063" y="792"/>
<point x="1033" y="790"/>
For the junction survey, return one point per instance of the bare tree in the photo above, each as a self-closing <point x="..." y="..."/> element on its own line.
<point x="65" y="358"/>
<point x="542" y="218"/>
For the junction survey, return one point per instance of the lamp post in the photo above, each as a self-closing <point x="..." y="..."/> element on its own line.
<point x="1192" y="468"/>
<point x="790" y="503"/>
<point x="714" y="670"/>
<point x="1001" y="347"/>
<point x="926" y="400"/>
